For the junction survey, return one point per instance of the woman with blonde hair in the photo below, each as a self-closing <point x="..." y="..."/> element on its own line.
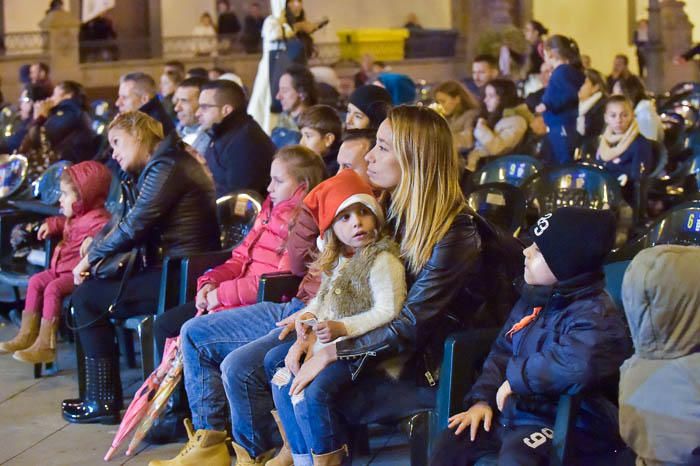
<point x="461" y="111"/>
<point x="169" y="209"/>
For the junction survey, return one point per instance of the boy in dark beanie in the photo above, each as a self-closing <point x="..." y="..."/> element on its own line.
<point x="564" y="336"/>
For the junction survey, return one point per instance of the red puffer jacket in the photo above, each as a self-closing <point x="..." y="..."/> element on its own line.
<point x="91" y="180"/>
<point x="262" y="251"/>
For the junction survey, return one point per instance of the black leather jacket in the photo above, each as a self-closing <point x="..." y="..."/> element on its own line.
<point x="434" y="296"/>
<point x="173" y="211"/>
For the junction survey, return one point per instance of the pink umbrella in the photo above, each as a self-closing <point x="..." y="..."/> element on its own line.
<point x="158" y="402"/>
<point x="145" y="395"/>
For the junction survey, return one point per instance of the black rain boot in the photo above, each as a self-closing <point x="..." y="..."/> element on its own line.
<point x="102" y="393"/>
<point x="170" y="427"/>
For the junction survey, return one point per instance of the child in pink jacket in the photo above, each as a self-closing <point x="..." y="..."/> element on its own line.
<point x="84" y="190"/>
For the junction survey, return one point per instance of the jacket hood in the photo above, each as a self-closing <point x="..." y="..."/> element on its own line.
<point x="277" y="8"/>
<point x="662" y="299"/>
<point x="92" y="180"/>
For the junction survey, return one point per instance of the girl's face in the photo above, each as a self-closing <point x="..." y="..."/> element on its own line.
<point x="537" y="272"/>
<point x="128" y="151"/>
<point x="68" y="197"/>
<point x="618" y="116"/>
<point x="295" y="7"/>
<point x="552" y="59"/>
<point x="587" y="89"/>
<point x="59" y="95"/>
<point x="282" y="184"/>
<point x="355" y="226"/>
<point x="448" y="103"/>
<point x="531" y="34"/>
<point x="491" y="99"/>
<point x="356" y="119"/>
<point x="314" y="140"/>
<point x="383" y="166"/>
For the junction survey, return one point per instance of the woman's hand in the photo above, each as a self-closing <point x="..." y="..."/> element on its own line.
<point x="81" y="271"/>
<point x="43" y="232"/>
<point x="297" y="351"/>
<point x="541" y="108"/>
<point x="503" y="392"/>
<point x="84" y="246"/>
<point x="288" y="324"/>
<point x="312" y="368"/>
<point x="200" y="301"/>
<point x="479" y="412"/>
<point x="329" y="330"/>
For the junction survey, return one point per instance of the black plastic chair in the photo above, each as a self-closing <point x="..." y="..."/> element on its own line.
<point x="510" y="169"/>
<point x="502" y="204"/>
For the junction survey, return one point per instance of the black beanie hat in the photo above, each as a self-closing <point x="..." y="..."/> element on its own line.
<point x="373" y="101"/>
<point x="574" y="240"/>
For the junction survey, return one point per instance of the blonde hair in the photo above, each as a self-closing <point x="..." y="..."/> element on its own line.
<point x="327" y="260"/>
<point x="144" y="128"/>
<point x="428" y="197"/>
<point x="303" y="164"/>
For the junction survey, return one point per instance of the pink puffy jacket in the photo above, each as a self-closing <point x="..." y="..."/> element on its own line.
<point x="262" y="251"/>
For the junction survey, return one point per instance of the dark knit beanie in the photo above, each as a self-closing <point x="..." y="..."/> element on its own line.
<point x="373" y="101"/>
<point x="574" y="240"/>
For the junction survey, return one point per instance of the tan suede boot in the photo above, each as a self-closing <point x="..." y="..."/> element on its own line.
<point x="334" y="458"/>
<point x="244" y="459"/>
<point x="284" y="456"/>
<point x="204" y="447"/>
<point x="28" y="331"/>
<point x="44" y="348"/>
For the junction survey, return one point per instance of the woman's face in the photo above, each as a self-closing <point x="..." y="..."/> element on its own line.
<point x="59" y="95"/>
<point x="491" y="99"/>
<point x="448" y="103"/>
<point x="128" y="151"/>
<point x="531" y="34"/>
<point x="295" y="7"/>
<point x="287" y="95"/>
<point x="383" y="166"/>
<point x="587" y="89"/>
<point x="356" y="118"/>
<point x="205" y="20"/>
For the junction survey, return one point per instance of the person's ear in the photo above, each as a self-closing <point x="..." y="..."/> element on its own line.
<point x="328" y="139"/>
<point x="226" y="109"/>
<point x="144" y="99"/>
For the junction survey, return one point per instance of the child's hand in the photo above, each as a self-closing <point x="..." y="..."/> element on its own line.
<point x="541" y="108"/>
<point x="479" y="412"/>
<point x="329" y="330"/>
<point x="503" y="392"/>
<point x="212" y="300"/>
<point x="302" y="328"/>
<point x="83" y="247"/>
<point x="43" y="233"/>
<point x="200" y="302"/>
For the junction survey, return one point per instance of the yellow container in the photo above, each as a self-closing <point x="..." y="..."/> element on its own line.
<point x="382" y="44"/>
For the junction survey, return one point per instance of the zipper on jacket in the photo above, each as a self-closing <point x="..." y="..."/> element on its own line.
<point x="527" y="329"/>
<point x="356" y="372"/>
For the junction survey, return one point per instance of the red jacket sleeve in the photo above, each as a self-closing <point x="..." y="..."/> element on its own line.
<point x="238" y="292"/>
<point x="56" y="225"/>
<point x="229" y="270"/>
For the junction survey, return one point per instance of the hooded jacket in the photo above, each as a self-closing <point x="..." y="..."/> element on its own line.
<point x="91" y="180"/>
<point x="660" y="384"/>
<point x="575" y="345"/>
<point x="561" y="96"/>
<point x="262" y="251"/>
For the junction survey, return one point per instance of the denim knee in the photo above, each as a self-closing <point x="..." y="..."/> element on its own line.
<point x="274" y="359"/>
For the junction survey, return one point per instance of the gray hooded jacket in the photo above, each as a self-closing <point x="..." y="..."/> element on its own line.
<point x="660" y="383"/>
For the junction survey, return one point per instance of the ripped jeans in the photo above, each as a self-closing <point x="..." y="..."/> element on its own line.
<point x="309" y="419"/>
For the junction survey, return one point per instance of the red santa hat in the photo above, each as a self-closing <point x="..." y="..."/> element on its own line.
<point x="333" y="195"/>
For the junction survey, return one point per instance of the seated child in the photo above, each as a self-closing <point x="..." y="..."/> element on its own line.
<point x="368" y="107"/>
<point x="660" y="383"/>
<point x="84" y="190"/>
<point x="624" y="151"/>
<point x="321" y="131"/>
<point x="564" y="336"/>
<point x="363" y="287"/>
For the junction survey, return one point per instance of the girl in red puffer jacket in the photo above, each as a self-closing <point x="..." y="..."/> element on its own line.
<point x="84" y="190"/>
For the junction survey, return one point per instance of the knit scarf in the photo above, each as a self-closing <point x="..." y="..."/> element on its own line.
<point x="613" y="145"/>
<point x="583" y="108"/>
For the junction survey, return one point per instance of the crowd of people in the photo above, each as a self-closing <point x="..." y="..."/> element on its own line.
<point x="366" y="206"/>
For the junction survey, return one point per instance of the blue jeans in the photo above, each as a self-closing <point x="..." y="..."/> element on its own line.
<point x="214" y="347"/>
<point x="318" y="422"/>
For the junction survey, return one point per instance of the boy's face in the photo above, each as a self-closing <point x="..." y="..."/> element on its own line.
<point x="537" y="271"/>
<point x="354" y="226"/>
<point x="68" y="197"/>
<point x="314" y="140"/>
<point x="618" y="116"/>
<point x="351" y="156"/>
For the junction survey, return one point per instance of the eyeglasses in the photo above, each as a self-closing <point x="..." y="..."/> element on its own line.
<point x="208" y="106"/>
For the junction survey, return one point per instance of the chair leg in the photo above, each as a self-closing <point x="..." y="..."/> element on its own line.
<point x="419" y="438"/>
<point x="145" y="331"/>
<point x="359" y="440"/>
<point x="50" y="368"/>
<point x="126" y="346"/>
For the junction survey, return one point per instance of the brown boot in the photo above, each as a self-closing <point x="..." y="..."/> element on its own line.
<point x="334" y="458"/>
<point x="244" y="459"/>
<point x="44" y="348"/>
<point x="28" y="331"/>
<point x="284" y="456"/>
<point x="205" y="447"/>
